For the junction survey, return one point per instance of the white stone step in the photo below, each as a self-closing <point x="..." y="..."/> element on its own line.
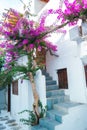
<point x="66" y="106"/>
<point x="75" y="119"/>
<point x="56" y="115"/>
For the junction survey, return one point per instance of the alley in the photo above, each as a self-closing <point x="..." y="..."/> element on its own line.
<point x="7" y="122"/>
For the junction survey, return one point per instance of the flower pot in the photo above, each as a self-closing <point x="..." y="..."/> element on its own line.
<point x="45" y="0"/>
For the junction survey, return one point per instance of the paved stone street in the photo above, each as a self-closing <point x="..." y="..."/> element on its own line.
<point x="8" y="123"/>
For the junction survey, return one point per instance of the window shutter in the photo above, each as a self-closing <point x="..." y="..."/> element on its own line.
<point x="15" y="87"/>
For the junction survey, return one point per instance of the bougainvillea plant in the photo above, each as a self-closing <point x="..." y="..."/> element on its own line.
<point x="24" y="37"/>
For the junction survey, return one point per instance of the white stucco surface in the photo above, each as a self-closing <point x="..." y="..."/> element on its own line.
<point x="69" y="58"/>
<point x="76" y="119"/>
<point x="24" y="99"/>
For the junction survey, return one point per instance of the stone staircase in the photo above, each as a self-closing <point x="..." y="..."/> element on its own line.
<point x="58" y="105"/>
<point x="53" y="94"/>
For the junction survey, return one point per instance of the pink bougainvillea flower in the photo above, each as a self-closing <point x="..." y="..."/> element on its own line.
<point x="39" y="48"/>
<point x="25" y="41"/>
<point x="31" y="46"/>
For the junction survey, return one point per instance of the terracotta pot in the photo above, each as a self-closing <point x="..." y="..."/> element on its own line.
<point x="44" y="0"/>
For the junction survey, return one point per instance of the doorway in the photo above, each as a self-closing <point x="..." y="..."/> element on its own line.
<point x="62" y="78"/>
<point x="5" y="97"/>
<point x="9" y="98"/>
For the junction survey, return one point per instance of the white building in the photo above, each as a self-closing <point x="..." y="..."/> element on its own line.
<point x="69" y="70"/>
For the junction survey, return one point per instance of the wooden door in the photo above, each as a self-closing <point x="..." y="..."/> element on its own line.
<point x="85" y="68"/>
<point x="62" y="78"/>
<point x="15" y="87"/>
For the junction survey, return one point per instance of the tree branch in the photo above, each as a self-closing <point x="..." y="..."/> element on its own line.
<point x="52" y="30"/>
<point x="51" y="53"/>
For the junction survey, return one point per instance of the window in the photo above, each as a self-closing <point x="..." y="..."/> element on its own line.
<point x="62" y="78"/>
<point x="15" y="87"/>
<point x="80" y="30"/>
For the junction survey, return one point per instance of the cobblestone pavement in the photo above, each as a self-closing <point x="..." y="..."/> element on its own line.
<point x="8" y="123"/>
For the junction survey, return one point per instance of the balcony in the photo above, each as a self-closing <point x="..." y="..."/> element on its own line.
<point x="79" y="34"/>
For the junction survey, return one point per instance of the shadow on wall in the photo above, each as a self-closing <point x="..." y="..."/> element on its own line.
<point x="3" y="104"/>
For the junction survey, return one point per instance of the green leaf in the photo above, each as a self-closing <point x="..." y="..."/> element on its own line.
<point x="42" y="43"/>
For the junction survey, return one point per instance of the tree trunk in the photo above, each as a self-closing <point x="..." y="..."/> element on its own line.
<point x="35" y="95"/>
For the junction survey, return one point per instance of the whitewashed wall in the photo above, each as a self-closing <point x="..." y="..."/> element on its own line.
<point x="83" y="51"/>
<point x="69" y="58"/>
<point x="24" y="99"/>
<point x="38" y="5"/>
<point x="41" y="86"/>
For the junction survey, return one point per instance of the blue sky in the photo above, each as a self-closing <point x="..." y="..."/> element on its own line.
<point x="6" y="4"/>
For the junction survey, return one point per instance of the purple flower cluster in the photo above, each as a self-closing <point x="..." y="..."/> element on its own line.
<point x="51" y="46"/>
<point x="73" y="11"/>
<point x="25" y="35"/>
